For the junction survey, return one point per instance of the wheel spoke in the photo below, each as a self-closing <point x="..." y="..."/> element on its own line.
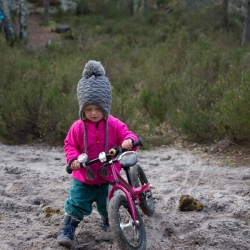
<point x="127" y="234"/>
<point x="132" y="236"/>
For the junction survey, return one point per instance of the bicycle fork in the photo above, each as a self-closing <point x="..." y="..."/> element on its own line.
<point x="131" y="194"/>
<point x="117" y="186"/>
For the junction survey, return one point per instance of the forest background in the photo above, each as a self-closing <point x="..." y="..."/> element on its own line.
<point x="177" y="69"/>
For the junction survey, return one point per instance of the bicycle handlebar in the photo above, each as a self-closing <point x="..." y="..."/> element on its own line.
<point x="115" y="151"/>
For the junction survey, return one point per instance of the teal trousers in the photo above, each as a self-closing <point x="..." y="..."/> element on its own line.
<point x="82" y="197"/>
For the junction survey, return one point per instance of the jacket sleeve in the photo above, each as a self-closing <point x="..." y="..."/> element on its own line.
<point x="124" y="133"/>
<point x="73" y="143"/>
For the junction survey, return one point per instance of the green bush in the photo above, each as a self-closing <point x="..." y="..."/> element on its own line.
<point x="234" y="111"/>
<point x="176" y="69"/>
<point x="85" y="7"/>
<point x="36" y="100"/>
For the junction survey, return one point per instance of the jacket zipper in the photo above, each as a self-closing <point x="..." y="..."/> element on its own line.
<point x="97" y="134"/>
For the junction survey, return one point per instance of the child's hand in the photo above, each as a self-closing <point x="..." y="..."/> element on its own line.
<point x="127" y="144"/>
<point x="75" y="165"/>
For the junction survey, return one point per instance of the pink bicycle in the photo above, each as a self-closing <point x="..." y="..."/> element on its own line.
<point x="125" y="220"/>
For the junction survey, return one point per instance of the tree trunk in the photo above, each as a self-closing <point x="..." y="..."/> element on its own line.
<point x="137" y="6"/>
<point x="225" y="14"/>
<point x="12" y="5"/>
<point x="46" y="11"/>
<point x="246" y="31"/>
<point x="24" y="32"/>
<point x="10" y="34"/>
<point x="131" y="7"/>
<point x="146" y="6"/>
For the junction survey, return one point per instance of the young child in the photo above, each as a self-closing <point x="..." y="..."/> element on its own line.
<point x="96" y="131"/>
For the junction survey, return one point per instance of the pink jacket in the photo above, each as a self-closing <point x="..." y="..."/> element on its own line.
<point x="74" y="144"/>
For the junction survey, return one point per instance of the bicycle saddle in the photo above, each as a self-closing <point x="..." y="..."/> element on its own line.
<point x="128" y="159"/>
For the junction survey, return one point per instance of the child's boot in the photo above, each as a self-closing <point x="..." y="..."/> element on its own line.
<point x="66" y="237"/>
<point x="104" y="223"/>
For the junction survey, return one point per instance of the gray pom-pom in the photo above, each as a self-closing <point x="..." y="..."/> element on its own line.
<point x="93" y="68"/>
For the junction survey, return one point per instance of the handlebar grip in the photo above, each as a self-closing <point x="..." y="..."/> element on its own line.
<point x="134" y="144"/>
<point x="69" y="169"/>
<point x="114" y="151"/>
<point x="137" y="143"/>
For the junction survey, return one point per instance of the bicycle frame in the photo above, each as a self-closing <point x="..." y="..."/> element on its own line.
<point x="131" y="192"/>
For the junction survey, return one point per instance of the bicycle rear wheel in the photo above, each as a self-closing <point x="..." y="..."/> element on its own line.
<point x="146" y="198"/>
<point x="126" y="234"/>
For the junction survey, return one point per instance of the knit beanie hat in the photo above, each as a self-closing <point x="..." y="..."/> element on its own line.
<point x="94" y="89"/>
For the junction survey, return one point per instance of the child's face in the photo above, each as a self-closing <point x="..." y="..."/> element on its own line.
<point x="93" y="113"/>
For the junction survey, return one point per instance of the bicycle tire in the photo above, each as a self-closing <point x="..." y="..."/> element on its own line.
<point x="126" y="235"/>
<point x="146" y="198"/>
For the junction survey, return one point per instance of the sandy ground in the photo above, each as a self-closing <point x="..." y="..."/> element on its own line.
<point x="34" y="186"/>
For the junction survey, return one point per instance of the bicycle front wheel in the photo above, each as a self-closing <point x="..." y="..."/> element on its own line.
<point x="126" y="234"/>
<point x="146" y="198"/>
